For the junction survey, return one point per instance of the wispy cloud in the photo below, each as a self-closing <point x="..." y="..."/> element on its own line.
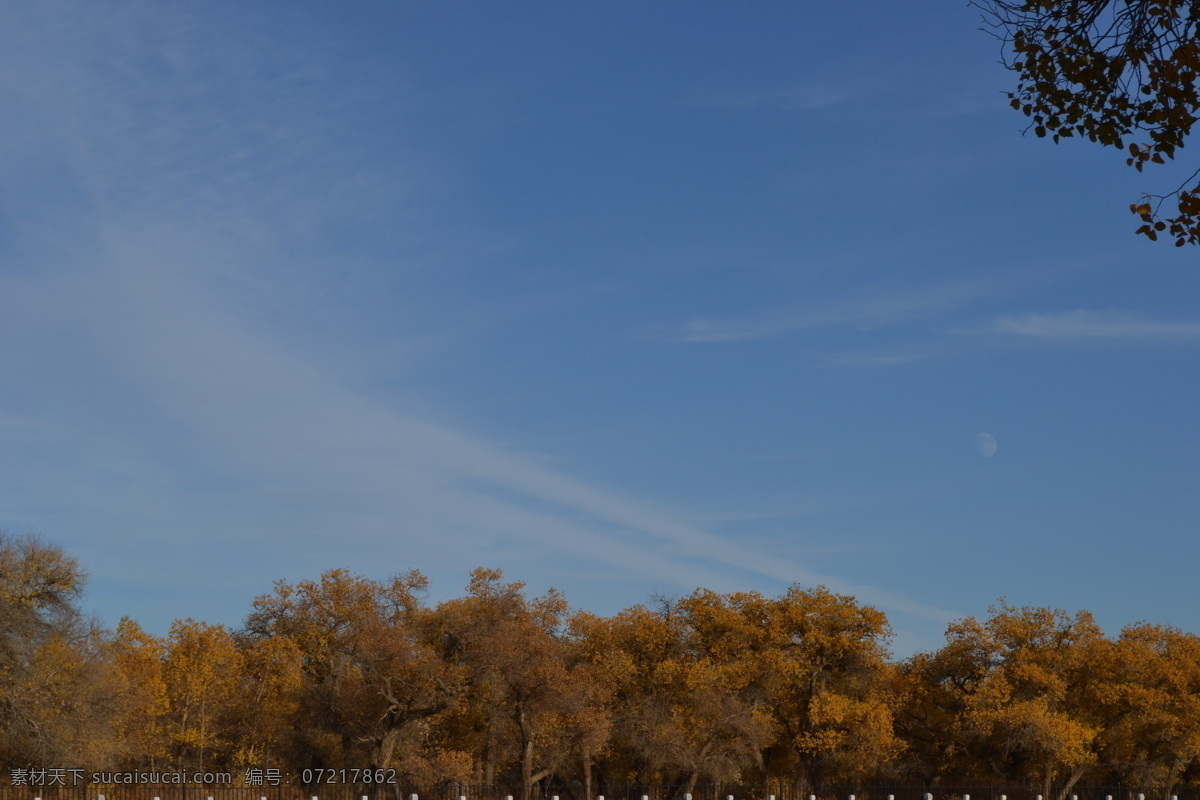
<point x="184" y="423"/>
<point x="267" y="416"/>
<point x="1093" y="325"/>
<point x="876" y="359"/>
<point x="862" y="313"/>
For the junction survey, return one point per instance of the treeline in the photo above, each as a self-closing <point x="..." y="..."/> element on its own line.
<point x="497" y="686"/>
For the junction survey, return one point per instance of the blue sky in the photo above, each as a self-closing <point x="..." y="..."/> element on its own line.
<point x="619" y="298"/>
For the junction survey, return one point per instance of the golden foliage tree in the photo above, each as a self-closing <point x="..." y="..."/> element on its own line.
<point x="823" y="664"/>
<point x="496" y="686"/>
<point x="202" y="670"/>
<point x="1028" y="705"/>
<point x="269" y="697"/>
<point x="140" y="698"/>
<point x="1153" y="692"/>
<point x="680" y="707"/>
<point x="371" y="678"/>
<point x="53" y="677"/>
<point x="518" y="691"/>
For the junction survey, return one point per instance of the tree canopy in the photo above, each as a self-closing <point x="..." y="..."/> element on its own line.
<point x="1121" y="73"/>
<point x="795" y="692"/>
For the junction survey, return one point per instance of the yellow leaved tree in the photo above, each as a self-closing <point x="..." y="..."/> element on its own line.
<point x="202" y="670"/>
<point x="141" y="704"/>
<point x="518" y="697"/>
<point x="54" y="681"/>
<point x="1153" y="693"/>
<point x="1028" y="689"/>
<point x="370" y="678"/>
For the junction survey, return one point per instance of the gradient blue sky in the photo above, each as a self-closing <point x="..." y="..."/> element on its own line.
<point x="617" y="297"/>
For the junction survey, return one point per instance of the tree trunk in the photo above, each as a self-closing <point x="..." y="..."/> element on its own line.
<point x="386" y="748"/>
<point x="587" y="775"/>
<point x="1076" y="774"/>
<point x="489" y="768"/>
<point x="527" y="769"/>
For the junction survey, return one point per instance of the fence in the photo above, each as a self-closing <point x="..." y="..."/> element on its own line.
<point x="453" y="790"/>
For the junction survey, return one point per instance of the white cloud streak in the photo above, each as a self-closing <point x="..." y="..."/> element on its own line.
<point x="1094" y="326"/>
<point x="168" y="409"/>
<point x="267" y="417"/>
<point x="858" y="313"/>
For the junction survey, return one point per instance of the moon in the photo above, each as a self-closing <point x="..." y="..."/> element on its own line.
<point x="985" y="443"/>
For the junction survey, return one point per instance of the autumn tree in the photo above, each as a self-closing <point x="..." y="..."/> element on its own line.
<point x="933" y="691"/>
<point x="519" y="690"/>
<point x="716" y="687"/>
<point x="1121" y="73"/>
<point x="726" y="702"/>
<point x="53" y="679"/>
<point x="678" y="707"/>
<point x="1153" y="692"/>
<point x="269" y="699"/>
<point x="140" y="694"/>
<point x="372" y="679"/>
<point x="1026" y="681"/>
<point x="202" y="669"/>
<point x="822" y="661"/>
<point x="589" y="717"/>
